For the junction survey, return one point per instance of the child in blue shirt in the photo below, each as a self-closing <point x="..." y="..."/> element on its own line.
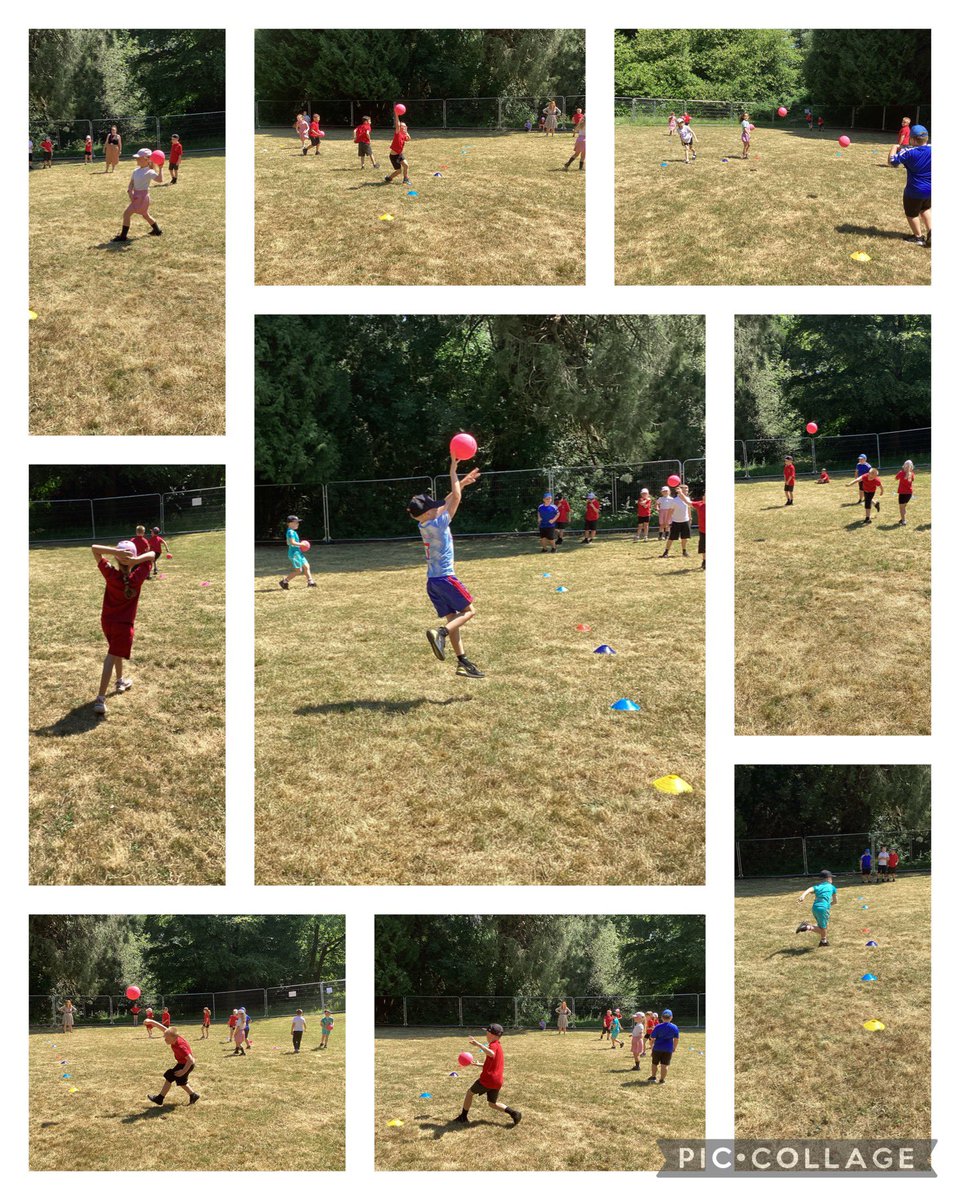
<point x="915" y="158"/>
<point x="664" y="1036"/>
<point x="547" y="517"/>
<point x="824" y="897"/>
<point x="295" y="554"/>
<point x="866" y="862"/>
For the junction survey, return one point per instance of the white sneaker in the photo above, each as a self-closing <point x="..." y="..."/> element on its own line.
<point x="124" y="685"/>
<point x="100" y="706"/>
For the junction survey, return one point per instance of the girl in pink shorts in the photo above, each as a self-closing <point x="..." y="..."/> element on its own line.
<point x="138" y="190"/>
<point x="579" y="145"/>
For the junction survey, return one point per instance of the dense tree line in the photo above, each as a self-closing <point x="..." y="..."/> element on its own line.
<point x="412" y="64"/>
<point x="538" y="955"/>
<point x="790" y="66"/>
<point x="93" y="955"/>
<point x="849" y="373"/>
<point x="83" y="482"/>
<point x="104" y="73"/>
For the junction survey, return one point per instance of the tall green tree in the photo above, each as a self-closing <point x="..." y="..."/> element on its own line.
<point x="869" y="66"/>
<point x="83" y="955"/>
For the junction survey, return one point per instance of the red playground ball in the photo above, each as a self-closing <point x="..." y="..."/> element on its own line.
<point x="304" y="545"/>
<point x="673" y="480"/>
<point x="843" y="140"/>
<point x="781" y="111"/>
<point x="158" y="158"/>
<point x="132" y="992"/>
<point x="812" y="427"/>
<point x="463" y="445"/>
<point x="465" y="1058"/>
<point x="399" y="109"/>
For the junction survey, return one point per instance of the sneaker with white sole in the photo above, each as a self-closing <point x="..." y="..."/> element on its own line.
<point x="100" y="706"/>
<point x="124" y="685"/>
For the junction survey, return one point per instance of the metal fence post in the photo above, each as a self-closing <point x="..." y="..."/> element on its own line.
<point x="877" y="439"/>
<point x="499" y="112"/>
<point x="460" y="1011"/>
<point x="443" y="105"/>
<point x="325" y="509"/>
<point x="739" y="861"/>
<point x="110" y="1009"/>
<point x="404" y="1010"/>
<point x="266" y="1004"/>
<point x="803" y="848"/>
<point x="93" y="524"/>
<point x="813" y="454"/>
<point x="516" y="1014"/>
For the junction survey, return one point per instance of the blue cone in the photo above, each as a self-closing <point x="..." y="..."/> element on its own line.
<point x="604" y="649"/>
<point x="425" y="1096"/>
<point x="562" y="589"/>
<point x="873" y="943"/>
<point x="625" y="705"/>
<point x="545" y="575"/>
<point x="868" y="978"/>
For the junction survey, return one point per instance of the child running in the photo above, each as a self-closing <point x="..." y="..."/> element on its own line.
<point x="862" y="468"/>
<point x="547" y="516"/>
<point x="688" y="139"/>
<point x="176" y="154"/>
<point x="644" y="505"/>
<point x="824" y="897"/>
<point x="672" y="125"/>
<point x="297" y="1027"/>
<point x="664" y="505"/>
<point x="138" y="190"/>
<point x="579" y="145"/>
<point x="315" y="134"/>
<point x="302" y="126"/>
<point x="905" y="478"/>
<point x="398" y="159"/>
<point x="326" y="1028"/>
<point x="156" y="543"/>
<point x="179" y="1074"/>
<point x="605" y="1022"/>
<point x="452" y="601"/>
<point x="490" y="1080"/>
<point x="121" y="595"/>
<point x="915" y="158"/>
<point x="297" y="558"/>
<point x="615" y="1029"/>
<point x="361" y="135"/>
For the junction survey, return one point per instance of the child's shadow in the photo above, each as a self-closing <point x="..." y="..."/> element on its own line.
<point x="148" y="1114"/>
<point x="115" y="247"/>
<point x="791" y="952"/>
<point x="922" y="529"/>
<point x="377" y="183"/>
<point x="851" y="526"/>
<point x="870" y="231"/>
<point x="403" y="707"/>
<point x="78" y="720"/>
<point x="439" y="1128"/>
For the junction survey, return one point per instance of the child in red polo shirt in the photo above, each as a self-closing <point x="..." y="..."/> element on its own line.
<point x="397" y="158"/>
<point x="315" y="134"/>
<point x="148" y="1022"/>
<point x="185" y="1062"/>
<point x="140" y="539"/>
<point x="491" y="1077"/>
<point x="824" y="476"/>
<point x="88" y="149"/>
<point x="644" y="508"/>
<point x="47" y="147"/>
<point x="176" y="153"/>
<point x="563" y="518"/>
<point x="789" y="478"/>
<point x="121" y="595"/>
<point x="156" y="543"/>
<point x="165" y="1017"/>
<point x="700" y="507"/>
<point x="361" y="135"/>
<point x="871" y="485"/>
<point x="591" y="517"/>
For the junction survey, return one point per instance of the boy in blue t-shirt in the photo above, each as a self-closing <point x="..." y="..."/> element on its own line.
<point x="664" y="1037"/>
<point x="450" y="598"/>
<point x="863" y="468"/>
<point x="824" y="897"/>
<point x="547" y="516"/>
<point x="916" y="195"/>
<point x="297" y="558"/>
<point x="866" y="862"/>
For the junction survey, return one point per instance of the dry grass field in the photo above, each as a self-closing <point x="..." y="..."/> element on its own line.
<point x="136" y="797"/>
<point x="270" y="1111"/>
<point x="584" y="1107"/>
<point x="501" y="212"/>
<point x="377" y="765"/>
<point x="806" y="1067"/>
<point x="128" y="338"/>
<point x="791" y="214"/>
<point x="833" y="616"/>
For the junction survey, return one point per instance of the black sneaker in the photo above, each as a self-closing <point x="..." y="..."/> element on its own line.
<point x="311" y="583"/>
<point x="195" y="1097"/>
<point x="155" y="231"/>
<point x="802" y="927"/>
<point x="516" y="1115"/>
<point x="285" y="585"/>
<point x="462" y="1119"/>
<point x="121" y="237"/>
<point x="928" y="240"/>
<point x="438" y="642"/>
<point x="469" y="669"/>
<point x="914" y="241"/>
<point x="156" y="1099"/>
<point x="635" y="1067"/>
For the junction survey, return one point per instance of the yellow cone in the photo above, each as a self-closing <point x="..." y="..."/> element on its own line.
<point x="386" y="217"/>
<point x="73" y="1089"/>
<point x="874" y="1026"/>
<point x="33" y="315"/>
<point x="395" y="1121"/>
<point x="672" y="784"/>
<point x="860" y="256"/>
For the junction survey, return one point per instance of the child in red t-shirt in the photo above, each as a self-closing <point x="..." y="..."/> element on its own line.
<point x="871" y="484"/>
<point x="563" y="518"/>
<point x="148" y="1022"/>
<point x="185" y="1062"/>
<point x="135" y="1013"/>
<point x="824" y="477"/>
<point x="88" y="149"/>
<point x="644" y="508"/>
<point x="232" y="1024"/>
<point x="892" y="863"/>
<point x="156" y="543"/>
<point x="173" y="158"/>
<point x="205" y="1025"/>
<point x="361" y="135"/>
<point x="789" y="478"/>
<point x="606" y="1021"/>
<point x="47" y="147"/>
<point x="591" y="517"/>
<point x="490" y="1080"/>
<point x="700" y="507"/>
<point x="905" y="478"/>
<point x="165" y="1017"/>
<point x="121" y="595"/>
<point x="140" y="539"/>
<point x="903" y="138"/>
<point x="397" y="157"/>
<point x="315" y="134"/>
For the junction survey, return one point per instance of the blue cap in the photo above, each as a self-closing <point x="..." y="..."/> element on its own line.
<point x="919" y="131"/>
<point x="548" y="495"/>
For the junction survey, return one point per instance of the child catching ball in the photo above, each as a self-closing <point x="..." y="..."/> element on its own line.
<point x="490" y="1080"/>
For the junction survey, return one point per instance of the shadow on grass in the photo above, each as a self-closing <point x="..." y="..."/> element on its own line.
<point x="871" y="231"/>
<point x="439" y="1128"/>
<point x="78" y="720"/>
<point x="403" y="707"/>
<point x="792" y="952"/>
<point x="152" y="1113"/>
<point x="116" y="247"/>
<point x="922" y="529"/>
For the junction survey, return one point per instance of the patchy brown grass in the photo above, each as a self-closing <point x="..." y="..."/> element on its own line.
<point x="137" y="797"/>
<point x="833" y="616"/>
<point x="270" y="1111"/>
<point x="129" y="339"/>
<point x="791" y="214"/>
<point x="584" y="1107"/>
<point x="377" y="765"/>
<point x="504" y="211"/>
<point x="806" y="1067"/>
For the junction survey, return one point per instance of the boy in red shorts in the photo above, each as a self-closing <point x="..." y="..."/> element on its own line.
<point x="185" y="1062"/>
<point x="361" y="135"/>
<point x="156" y="543"/>
<point x="490" y="1080"/>
<point x="397" y="158"/>
<point x="789" y="478"/>
<point x="176" y="153"/>
<point x="121" y="595"/>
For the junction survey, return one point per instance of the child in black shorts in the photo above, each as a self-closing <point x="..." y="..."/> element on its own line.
<point x="490" y="1079"/>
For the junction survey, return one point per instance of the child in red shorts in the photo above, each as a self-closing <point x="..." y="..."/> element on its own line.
<point x="176" y="153"/>
<point x="156" y="543"/>
<point x="121" y="596"/>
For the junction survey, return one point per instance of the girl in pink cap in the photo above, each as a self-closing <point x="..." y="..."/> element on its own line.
<point x="138" y="189"/>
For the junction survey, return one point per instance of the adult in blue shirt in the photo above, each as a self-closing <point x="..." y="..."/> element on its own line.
<point x="824" y="898"/>
<point x="547" y="515"/>
<point x="916" y="195"/>
<point x="665" y="1037"/>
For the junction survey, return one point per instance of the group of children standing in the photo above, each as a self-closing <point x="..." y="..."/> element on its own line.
<point x="656" y="1028"/>
<point x="886" y="865"/>
<point x="868" y="482"/>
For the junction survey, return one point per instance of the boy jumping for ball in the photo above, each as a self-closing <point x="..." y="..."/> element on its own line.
<point x="490" y="1080"/>
<point x="450" y="598"/>
<point x="121" y="595"/>
<point x="824" y="897"/>
<point x="397" y="158"/>
<point x="185" y="1062"/>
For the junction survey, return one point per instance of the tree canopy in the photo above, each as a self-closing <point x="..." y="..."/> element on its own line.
<point x="538" y="955"/>
<point x="296" y="65"/>
<point x="83" y="482"/>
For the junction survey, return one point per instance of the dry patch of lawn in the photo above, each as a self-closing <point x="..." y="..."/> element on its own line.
<point x="833" y="616"/>
<point x="806" y="1067"/>
<point x="584" y="1107"/>
<point x="129" y="339"/>
<point x="503" y="212"/>
<point x="270" y="1111"/>
<point x="793" y="213"/>
<point x="377" y="765"/>
<point x="137" y="797"/>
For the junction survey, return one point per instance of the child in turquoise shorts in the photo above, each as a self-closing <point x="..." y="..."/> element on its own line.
<point x="295" y="554"/>
<point x="824" y="897"/>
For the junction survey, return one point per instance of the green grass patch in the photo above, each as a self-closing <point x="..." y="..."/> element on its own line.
<point x="793" y="213"/>
<point x="377" y="765"/>
<point x="832" y="616"/>
<point x="128" y="339"/>
<point x="584" y="1107"/>
<point x="503" y="211"/>
<point x="136" y="797"/>
<point x="270" y="1111"/>
<point x="806" y="1067"/>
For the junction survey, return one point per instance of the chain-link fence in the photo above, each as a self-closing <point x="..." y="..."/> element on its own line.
<point x="762" y="458"/>
<point x="47" y="1011"/>
<point x="807" y="854"/>
<point x="498" y="113"/>
<point x="111" y="518"/>
<point x="206" y="131"/>
<point x="504" y="503"/>
<point x="531" y="1012"/>
<point x="877" y="118"/>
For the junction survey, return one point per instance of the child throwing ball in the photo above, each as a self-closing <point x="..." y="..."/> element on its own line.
<point x="398" y="158"/>
<point x="178" y="1074"/>
<point x="138" y="190"/>
<point x="121" y="595"/>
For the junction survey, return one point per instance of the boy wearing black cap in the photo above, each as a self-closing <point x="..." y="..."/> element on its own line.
<point x="450" y="598"/>
<point x="916" y="195"/>
<point x="490" y="1080"/>
<point x="824" y="897"/>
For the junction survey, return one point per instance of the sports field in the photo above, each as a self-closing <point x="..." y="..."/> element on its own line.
<point x="491" y="208"/>
<point x="270" y="1111"/>
<point x="791" y="214"/>
<point x="833" y="616"/>
<point x="376" y="764"/>
<point x="128" y="338"/>
<point x="584" y="1107"/>
<point x="805" y="1066"/>
<point x="136" y="797"/>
